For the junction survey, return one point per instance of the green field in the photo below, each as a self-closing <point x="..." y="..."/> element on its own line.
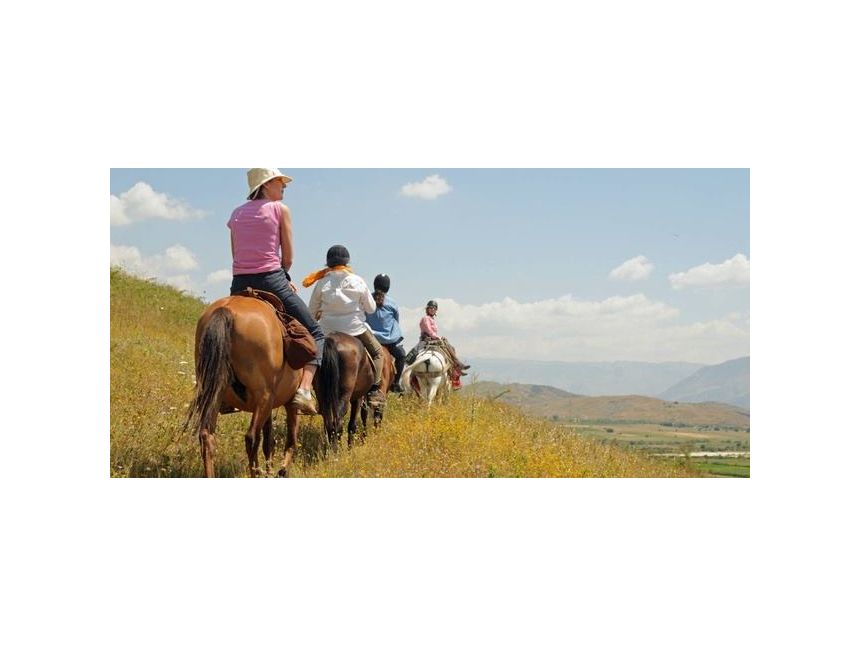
<point x="656" y="439"/>
<point x="722" y="466"/>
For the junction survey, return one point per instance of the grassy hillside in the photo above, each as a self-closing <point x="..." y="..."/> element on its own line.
<point x="152" y="380"/>
<point x="553" y="403"/>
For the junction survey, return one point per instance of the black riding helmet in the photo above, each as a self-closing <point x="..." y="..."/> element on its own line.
<point x="337" y="255"/>
<point x="432" y="304"/>
<point x="382" y="283"/>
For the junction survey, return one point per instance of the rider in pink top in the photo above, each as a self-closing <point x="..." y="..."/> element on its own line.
<point x="430" y="331"/>
<point x="256" y="229"/>
<point x="428" y="327"/>
<point x="261" y="238"/>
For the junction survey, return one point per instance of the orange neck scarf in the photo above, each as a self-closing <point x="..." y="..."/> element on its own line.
<point x="313" y="277"/>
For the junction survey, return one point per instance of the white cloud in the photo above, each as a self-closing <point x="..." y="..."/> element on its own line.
<point x="182" y="282"/>
<point x="142" y="202"/>
<point x="170" y="266"/>
<point x="177" y="258"/>
<point x="734" y="271"/>
<point x="631" y="328"/>
<point x="429" y="189"/>
<point x="126" y="257"/>
<point x="219" y="277"/>
<point x="638" y="268"/>
<point x="117" y="212"/>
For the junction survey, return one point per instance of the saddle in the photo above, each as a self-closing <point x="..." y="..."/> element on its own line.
<point x="428" y="344"/>
<point x="299" y="345"/>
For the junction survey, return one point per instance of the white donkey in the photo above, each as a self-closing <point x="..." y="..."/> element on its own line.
<point x="430" y="370"/>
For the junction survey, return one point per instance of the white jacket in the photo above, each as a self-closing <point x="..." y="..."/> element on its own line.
<point x="339" y="302"/>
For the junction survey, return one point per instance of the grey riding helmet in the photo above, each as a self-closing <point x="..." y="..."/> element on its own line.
<point x="337" y="255"/>
<point x="382" y="283"/>
<point x="432" y="304"/>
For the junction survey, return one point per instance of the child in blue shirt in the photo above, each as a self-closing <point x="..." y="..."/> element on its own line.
<point x="385" y="325"/>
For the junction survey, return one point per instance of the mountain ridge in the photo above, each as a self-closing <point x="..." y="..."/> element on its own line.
<point x="590" y="378"/>
<point x="727" y="382"/>
<point x="547" y="401"/>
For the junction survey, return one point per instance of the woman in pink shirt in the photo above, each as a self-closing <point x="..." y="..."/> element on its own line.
<point x="427" y="325"/>
<point x="430" y="332"/>
<point x="261" y="238"/>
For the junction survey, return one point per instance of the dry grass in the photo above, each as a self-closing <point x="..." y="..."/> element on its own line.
<point x="472" y="437"/>
<point x="152" y="332"/>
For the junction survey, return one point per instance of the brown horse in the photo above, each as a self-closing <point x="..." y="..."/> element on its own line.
<point x="345" y="376"/>
<point x="239" y="362"/>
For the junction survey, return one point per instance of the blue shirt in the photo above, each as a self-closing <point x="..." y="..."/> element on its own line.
<point x="384" y="323"/>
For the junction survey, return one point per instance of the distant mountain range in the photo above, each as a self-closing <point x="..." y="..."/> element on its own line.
<point x="546" y="401"/>
<point x="673" y="381"/>
<point x="727" y="382"/>
<point x="587" y="378"/>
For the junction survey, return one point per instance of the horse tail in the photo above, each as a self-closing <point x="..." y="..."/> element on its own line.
<point x="405" y="377"/>
<point x="328" y="381"/>
<point x="213" y="369"/>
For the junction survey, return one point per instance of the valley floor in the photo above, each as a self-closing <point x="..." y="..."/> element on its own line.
<point x="715" y="452"/>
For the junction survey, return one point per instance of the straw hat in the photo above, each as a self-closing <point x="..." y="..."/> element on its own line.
<point x="259" y="176"/>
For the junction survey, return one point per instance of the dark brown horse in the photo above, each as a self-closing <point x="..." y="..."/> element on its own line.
<point x="239" y="362"/>
<point x="345" y="376"/>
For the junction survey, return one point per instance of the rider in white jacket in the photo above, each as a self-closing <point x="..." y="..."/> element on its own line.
<point x="340" y="301"/>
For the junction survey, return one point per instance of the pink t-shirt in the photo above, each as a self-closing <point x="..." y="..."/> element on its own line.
<point x="256" y="227"/>
<point x="428" y="328"/>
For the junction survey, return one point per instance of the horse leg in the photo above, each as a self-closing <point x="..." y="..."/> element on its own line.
<point x="362" y="434"/>
<point x="377" y="418"/>
<point x="332" y="432"/>
<point x="431" y="393"/>
<point x="353" y="425"/>
<point x="207" y="447"/>
<point x="261" y="414"/>
<point x="258" y="437"/>
<point x="251" y="446"/>
<point x="364" y="413"/>
<point x="268" y="445"/>
<point x="292" y="440"/>
<point x="336" y="429"/>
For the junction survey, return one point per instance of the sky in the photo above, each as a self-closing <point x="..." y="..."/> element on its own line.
<point x="543" y="264"/>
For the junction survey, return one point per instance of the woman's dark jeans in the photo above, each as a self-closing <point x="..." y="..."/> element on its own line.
<point x="278" y="283"/>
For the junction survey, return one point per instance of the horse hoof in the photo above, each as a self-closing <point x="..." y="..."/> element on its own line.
<point x="282" y="473"/>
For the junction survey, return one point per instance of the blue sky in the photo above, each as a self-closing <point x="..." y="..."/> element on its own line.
<point x="553" y="264"/>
